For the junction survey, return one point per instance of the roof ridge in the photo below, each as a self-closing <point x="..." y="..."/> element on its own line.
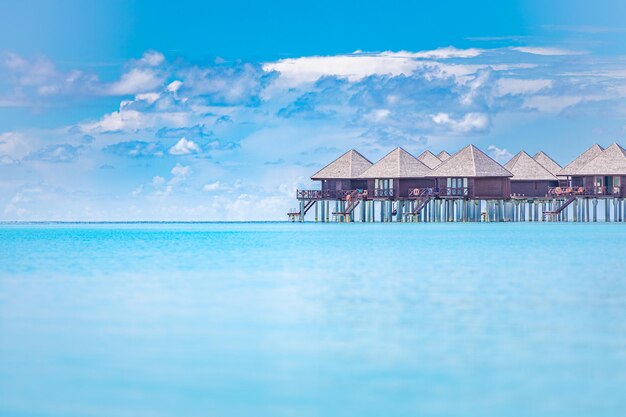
<point x="472" y="147"/>
<point x="350" y="161"/>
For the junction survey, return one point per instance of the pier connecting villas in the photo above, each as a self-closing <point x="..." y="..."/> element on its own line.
<point x="468" y="186"/>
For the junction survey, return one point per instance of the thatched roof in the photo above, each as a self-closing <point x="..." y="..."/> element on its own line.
<point x="581" y="161"/>
<point x="470" y="162"/>
<point x="443" y="155"/>
<point x="429" y="159"/>
<point x="547" y="162"/>
<point x="525" y="168"/>
<point x="397" y="164"/>
<point x="612" y="161"/>
<point x="349" y="165"/>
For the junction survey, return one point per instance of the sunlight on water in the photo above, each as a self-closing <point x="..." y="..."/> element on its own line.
<point x="312" y="320"/>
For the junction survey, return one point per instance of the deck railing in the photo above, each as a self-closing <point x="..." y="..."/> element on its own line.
<point x="563" y="191"/>
<point x="416" y="193"/>
<point x="382" y="192"/>
<point x="607" y="190"/>
<point x="453" y="191"/>
<point x="329" y="194"/>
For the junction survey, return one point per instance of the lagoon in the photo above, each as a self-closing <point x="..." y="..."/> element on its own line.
<point x="280" y="319"/>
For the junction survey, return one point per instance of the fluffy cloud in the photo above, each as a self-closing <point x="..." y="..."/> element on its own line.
<point x="36" y="81"/>
<point x="213" y="186"/>
<point x="184" y="147"/>
<point x="136" y="149"/>
<point x="359" y="65"/>
<point x="500" y="155"/>
<point x="224" y="84"/>
<point x="516" y="86"/>
<point x="547" y="51"/>
<point x="15" y="145"/>
<point x="135" y="81"/>
<point x="468" y="123"/>
<point x="179" y="173"/>
<point x="56" y="153"/>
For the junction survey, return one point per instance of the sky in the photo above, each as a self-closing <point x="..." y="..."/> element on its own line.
<point x="207" y="111"/>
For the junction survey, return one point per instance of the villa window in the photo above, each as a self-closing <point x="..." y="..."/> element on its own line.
<point x="383" y="187"/>
<point x="457" y="186"/>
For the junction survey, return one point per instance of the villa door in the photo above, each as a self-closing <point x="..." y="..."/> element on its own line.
<point x="608" y="185"/>
<point x="598" y="185"/>
<point x="613" y="185"/>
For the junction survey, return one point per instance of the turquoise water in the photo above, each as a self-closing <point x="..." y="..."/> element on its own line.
<point x="313" y="320"/>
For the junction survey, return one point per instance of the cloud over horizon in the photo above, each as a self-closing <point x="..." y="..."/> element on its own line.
<point x="201" y="136"/>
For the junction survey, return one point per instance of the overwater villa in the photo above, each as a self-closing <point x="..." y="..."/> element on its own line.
<point x="471" y="174"/>
<point x="530" y="178"/>
<point x="580" y="161"/>
<point x="343" y="174"/>
<point x="467" y="186"/>
<point x="603" y="175"/>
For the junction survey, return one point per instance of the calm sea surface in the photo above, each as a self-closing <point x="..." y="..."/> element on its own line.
<point x="313" y="320"/>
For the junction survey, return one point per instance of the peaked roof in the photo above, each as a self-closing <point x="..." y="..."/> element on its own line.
<point x="547" y="162"/>
<point x="523" y="167"/>
<point x="443" y="155"/>
<point x="612" y="161"/>
<point x="581" y="161"/>
<point x="397" y="164"/>
<point x="349" y="165"/>
<point x="470" y="162"/>
<point x="429" y="159"/>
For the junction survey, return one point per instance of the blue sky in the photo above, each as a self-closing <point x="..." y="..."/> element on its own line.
<point x="128" y="110"/>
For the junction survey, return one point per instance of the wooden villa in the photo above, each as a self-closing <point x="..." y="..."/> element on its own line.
<point x="343" y="173"/>
<point x="468" y="186"/>
<point x="530" y="178"/>
<point x="471" y="174"/>
<point x="567" y="173"/>
<point x="395" y="174"/>
<point x="604" y="175"/>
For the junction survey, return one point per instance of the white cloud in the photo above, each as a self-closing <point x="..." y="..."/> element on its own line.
<point x="152" y="58"/>
<point x="213" y="186"/>
<point x="128" y="119"/>
<point x="174" y="86"/>
<point x="521" y="86"/>
<point x="468" y="123"/>
<point x="499" y="154"/>
<point x="163" y="188"/>
<point x="184" y="147"/>
<point x="15" y="146"/>
<point x="7" y="160"/>
<point x="179" y="173"/>
<point x="137" y="80"/>
<point x="547" y="51"/>
<point x="353" y="67"/>
<point x="147" y="97"/>
<point x="555" y="103"/>
<point x="358" y="65"/>
<point x="441" y="53"/>
<point x="137" y="191"/>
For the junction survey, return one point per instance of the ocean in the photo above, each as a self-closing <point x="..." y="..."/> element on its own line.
<point x="281" y="319"/>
